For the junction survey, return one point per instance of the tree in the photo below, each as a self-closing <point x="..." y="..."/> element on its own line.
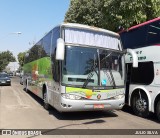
<point x="127" y="13"/>
<point x="5" y="58"/>
<point x="85" y="12"/>
<point x="21" y="57"/>
<point x="111" y="14"/>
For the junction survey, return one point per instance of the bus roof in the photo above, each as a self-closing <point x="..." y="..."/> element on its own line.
<point x="141" y="24"/>
<point x="92" y="28"/>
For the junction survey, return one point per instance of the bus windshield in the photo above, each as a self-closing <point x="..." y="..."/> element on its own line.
<point x="95" y="66"/>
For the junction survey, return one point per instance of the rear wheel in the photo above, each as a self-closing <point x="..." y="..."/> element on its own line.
<point x="45" y="101"/>
<point x="26" y="86"/>
<point x="158" y="110"/>
<point x="140" y="104"/>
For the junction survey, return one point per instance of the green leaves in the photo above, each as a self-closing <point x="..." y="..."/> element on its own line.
<point x="85" y="12"/>
<point x="111" y="14"/>
<point x="5" y="58"/>
<point x="21" y="56"/>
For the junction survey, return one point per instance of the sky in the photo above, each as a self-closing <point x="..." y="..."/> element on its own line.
<point x="33" y="18"/>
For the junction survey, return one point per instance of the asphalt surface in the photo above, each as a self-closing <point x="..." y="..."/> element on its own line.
<point x="21" y="110"/>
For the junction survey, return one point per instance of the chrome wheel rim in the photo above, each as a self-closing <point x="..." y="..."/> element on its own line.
<point x="141" y="105"/>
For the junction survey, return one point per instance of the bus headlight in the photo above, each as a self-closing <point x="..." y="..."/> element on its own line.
<point x="71" y="96"/>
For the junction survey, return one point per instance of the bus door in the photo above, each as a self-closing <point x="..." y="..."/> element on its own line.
<point x="128" y="80"/>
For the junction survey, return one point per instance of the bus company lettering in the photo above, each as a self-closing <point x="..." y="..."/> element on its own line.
<point x="140" y="57"/>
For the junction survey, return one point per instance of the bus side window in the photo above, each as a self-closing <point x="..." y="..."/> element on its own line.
<point x="47" y="44"/>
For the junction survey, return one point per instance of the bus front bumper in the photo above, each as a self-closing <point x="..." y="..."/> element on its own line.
<point x="67" y="105"/>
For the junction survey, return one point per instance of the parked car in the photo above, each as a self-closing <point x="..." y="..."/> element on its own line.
<point x="17" y="73"/>
<point x="10" y="74"/>
<point x="5" y="79"/>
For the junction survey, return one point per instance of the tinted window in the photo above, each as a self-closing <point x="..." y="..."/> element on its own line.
<point x="41" y="51"/>
<point x="35" y="52"/>
<point x="47" y="43"/>
<point x="153" y="33"/>
<point x="55" y="63"/>
<point x="55" y="36"/>
<point x="144" y="74"/>
<point x="79" y="60"/>
<point x="3" y="75"/>
<point x="142" y="36"/>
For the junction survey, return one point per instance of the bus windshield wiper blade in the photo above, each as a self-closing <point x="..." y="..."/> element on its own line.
<point x="90" y="75"/>
<point x="110" y="78"/>
<point x="107" y="56"/>
<point x="111" y="74"/>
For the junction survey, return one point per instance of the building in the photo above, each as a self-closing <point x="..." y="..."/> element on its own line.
<point x="12" y="67"/>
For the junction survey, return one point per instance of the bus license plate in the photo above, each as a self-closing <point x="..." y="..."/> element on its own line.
<point x="99" y="106"/>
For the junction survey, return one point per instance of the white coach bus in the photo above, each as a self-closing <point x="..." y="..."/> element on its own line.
<point x="143" y="83"/>
<point x="78" y="68"/>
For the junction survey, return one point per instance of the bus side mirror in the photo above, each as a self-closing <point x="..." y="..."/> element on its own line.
<point x="60" y="49"/>
<point x="134" y="57"/>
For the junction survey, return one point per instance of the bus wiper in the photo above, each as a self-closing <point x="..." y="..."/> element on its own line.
<point x="111" y="79"/>
<point x="90" y="75"/>
<point x="107" y="56"/>
<point x="111" y="74"/>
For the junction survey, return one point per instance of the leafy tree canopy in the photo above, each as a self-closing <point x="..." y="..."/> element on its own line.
<point x="21" y="57"/>
<point x="5" y="58"/>
<point x="111" y="14"/>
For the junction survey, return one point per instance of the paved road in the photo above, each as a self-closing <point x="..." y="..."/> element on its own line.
<point x="21" y="110"/>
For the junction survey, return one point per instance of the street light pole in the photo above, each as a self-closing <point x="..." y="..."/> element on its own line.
<point x="18" y="33"/>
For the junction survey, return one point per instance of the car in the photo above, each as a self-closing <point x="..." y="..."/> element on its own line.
<point x="10" y="74"/>
<point x="5" y="79"/>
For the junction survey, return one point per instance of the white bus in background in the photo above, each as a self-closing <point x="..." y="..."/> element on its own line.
<point x="78" y="68"/>
<point x="143" y="83"/>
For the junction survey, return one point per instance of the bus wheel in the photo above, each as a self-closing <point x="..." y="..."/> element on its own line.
<point x="26" y="89"/>
<point x="45" y="103"/>
<point x="158" y="110"/>
<point x="140" y="104"/>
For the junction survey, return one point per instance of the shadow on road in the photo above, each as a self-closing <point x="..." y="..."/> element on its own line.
<point x="63" y="131"/>
<point x="82" y="115"/>
<point x="35" y="97"/>
<point x="75" y="115"/>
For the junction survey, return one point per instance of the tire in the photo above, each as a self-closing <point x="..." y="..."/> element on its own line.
<point x="26" y="89"/>
<point x="140" y="106"/>
<point x="45" y="103"/>
<point x="158" y="110"/>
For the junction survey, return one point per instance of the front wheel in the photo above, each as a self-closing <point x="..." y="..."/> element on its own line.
<point x="140" y="104"/>
<point x="158" y="110"/>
